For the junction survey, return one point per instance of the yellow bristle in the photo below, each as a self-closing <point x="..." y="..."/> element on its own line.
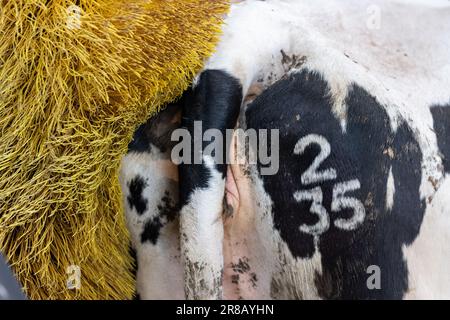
<point x="70" y="100"/>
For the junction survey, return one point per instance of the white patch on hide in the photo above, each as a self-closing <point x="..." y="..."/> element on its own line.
<point x="428" y="257"/>
<point x="390" y="191"/>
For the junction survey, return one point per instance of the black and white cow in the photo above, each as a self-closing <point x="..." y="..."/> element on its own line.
<point x="358" y="206"/>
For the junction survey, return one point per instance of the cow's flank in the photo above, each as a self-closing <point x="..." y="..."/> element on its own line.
<point x="331" y="191"/>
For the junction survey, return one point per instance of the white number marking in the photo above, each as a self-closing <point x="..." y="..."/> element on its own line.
<point x="340" y="202"/>
<point x="312" y="175"/>
<point x="315" y="195"/>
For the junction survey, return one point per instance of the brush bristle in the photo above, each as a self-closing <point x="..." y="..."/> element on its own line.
<point x="70" y="100"/>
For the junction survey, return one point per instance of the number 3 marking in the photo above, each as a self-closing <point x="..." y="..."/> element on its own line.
<point x="315" y="195"/>
<point x="312" y="175"/>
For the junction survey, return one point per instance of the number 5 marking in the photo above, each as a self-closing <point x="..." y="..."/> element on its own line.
<point x="312" y="175"/>
<point x="315" y="195"/>
<point x="340" y="201"/>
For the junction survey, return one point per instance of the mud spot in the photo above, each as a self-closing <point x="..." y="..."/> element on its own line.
<point x="235" y="278"/>
<point x="242" y="266"/>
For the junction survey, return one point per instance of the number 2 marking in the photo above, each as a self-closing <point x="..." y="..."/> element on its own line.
<point x="312" y="175"/>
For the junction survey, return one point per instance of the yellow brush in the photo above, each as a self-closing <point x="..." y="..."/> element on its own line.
<point x="76" y="78"/>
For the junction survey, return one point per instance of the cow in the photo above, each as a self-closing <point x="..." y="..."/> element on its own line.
<point x="356" y="202"/>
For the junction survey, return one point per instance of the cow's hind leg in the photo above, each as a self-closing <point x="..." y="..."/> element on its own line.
<point x="210" y="108"/>
<point x="149" y="182"/>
